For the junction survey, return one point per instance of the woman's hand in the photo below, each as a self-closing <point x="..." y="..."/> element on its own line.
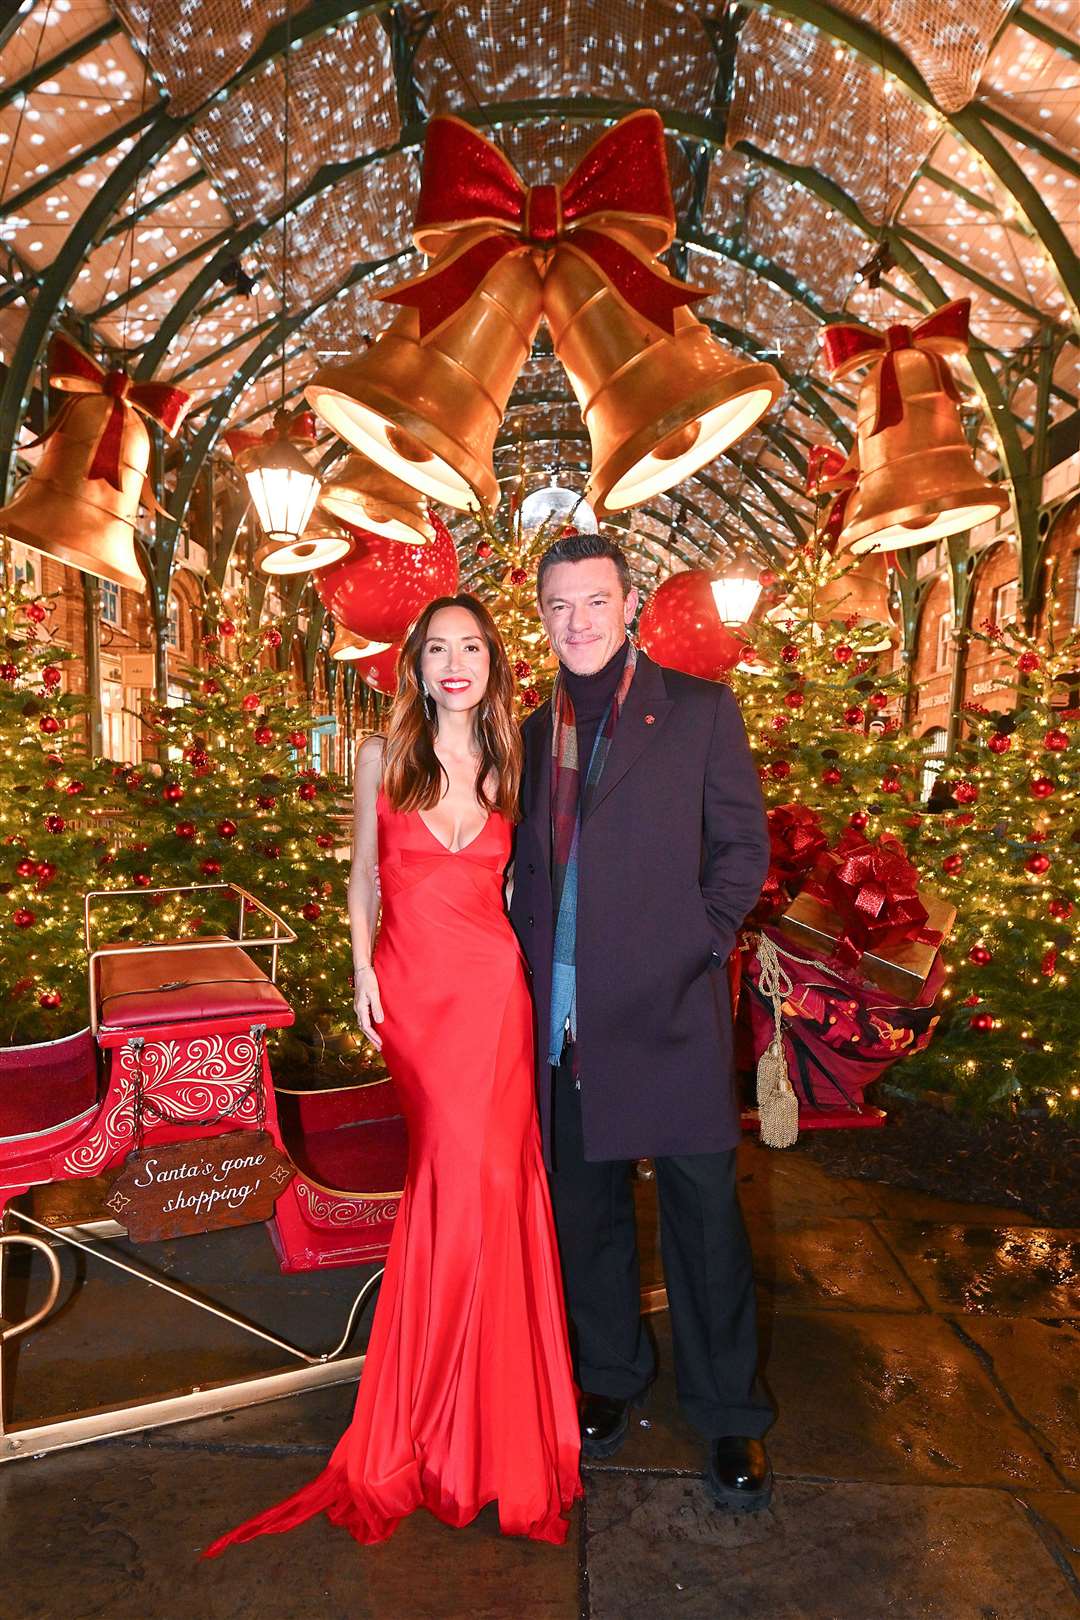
<point x="368" y="1005"/>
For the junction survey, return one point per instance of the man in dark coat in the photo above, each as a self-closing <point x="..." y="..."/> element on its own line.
<point x="634" y="1045"/>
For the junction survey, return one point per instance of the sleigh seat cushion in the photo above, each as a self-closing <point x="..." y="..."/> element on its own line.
<point x="173" y="985"/>
<point x="43" y="1087"/>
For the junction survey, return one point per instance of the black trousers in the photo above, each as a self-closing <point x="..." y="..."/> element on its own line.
<point x="707" y="1267"/>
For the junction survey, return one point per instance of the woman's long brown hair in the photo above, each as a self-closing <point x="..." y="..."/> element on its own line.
<point x="413" y="779"/>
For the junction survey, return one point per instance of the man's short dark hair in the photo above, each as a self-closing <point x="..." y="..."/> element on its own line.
<point x="574" y="548"/>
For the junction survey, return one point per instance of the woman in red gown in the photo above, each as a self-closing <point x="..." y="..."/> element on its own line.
<point x="466" y="1395"/>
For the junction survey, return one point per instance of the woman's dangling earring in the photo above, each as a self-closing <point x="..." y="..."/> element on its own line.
<point x="429" y="702"/>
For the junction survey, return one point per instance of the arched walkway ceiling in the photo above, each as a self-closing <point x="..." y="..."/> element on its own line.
<point x="800" y="139"/>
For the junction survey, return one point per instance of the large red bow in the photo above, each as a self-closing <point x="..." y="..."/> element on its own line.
<point x="873" y="889"/>
<point x="470" y="186"/>
<point x="300" y="428"/>
<point x="942" y="333"/>
<point x="72" y="370"/>
<point x="829" y="468"/>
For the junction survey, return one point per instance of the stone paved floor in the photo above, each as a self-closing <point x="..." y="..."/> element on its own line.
<point x="926" y="1361"/>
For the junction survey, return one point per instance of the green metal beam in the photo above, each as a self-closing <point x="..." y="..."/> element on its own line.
<point x="1035" y="25"/>
<point x="152" y="204"/>
<point x="89" y="154"/>
<point x="56" y="64"/>
<point x="990" y="114"/>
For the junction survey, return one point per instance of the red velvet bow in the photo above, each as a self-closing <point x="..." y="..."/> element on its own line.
<point x="470" y="186"/>
<point x="72" y="370"/>
<point x="301" y="428"/>
<point x="873" y="889"/>
<point x="942" y="333"/>
<point x="795" y="840"/>
<point x="827" y="468"/>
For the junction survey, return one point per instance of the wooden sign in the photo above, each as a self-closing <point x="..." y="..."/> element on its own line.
<point x="137" y="668"/>
<point x="188" y="1187"/>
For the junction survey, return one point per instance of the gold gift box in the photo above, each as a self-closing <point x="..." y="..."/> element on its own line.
<point x="901" y="969"/>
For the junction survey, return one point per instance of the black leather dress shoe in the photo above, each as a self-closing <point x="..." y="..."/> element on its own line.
<point x="604" y="1422"/>
<point x="739" y="1474"/>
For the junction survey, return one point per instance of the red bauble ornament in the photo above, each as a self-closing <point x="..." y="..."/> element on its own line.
<point x="831" y="776"/>
<point x="142" y="880"/>
<point x="794" y="699"/>
<point x="1037" y="835"/>
<point x="54" y="761"/>
<point x="377" y="591"/>
<point x="307" y="791"/>
<point x="325" y="840"/>
<point x="185" y="829"/>
<point x="26" y="868"/>
<point x="531" y="697"/>
<point x="172" y="793"/>
<point x="981" y="1021"/>
<point x="211" y="688"/>
<point x="9" y="672"/>
<point x="1041" y="787"/>
<point x="272" y="851"/>
<point x="263" y="735"/>
<point x="1056" y="740"/>
<point x="767" y="579"/>
<point x="380" y="671"/>
<point x="22" y="918"/>
<point x="75" y="787"/>
<point x="965" y="792"/>
<point x="266" y="801"/>
<point x="680" y="627"/>
<point x="50" y="1000"/>
<point x="55" y="824"/>
<point x="854" y="716"/>
<point x="298" y="739"/>
<point x="980" y="956"/>
<point x="1048" y="964"/>
<point x="999" y="742"/>
<point x="311" y="912"/>
<point x="250" y="702"/>
<point x="1027" y="663"/>
<point x="780" y="769"/>
<point x="843" y="654"/>
<point x="226" y="828"/>
<point x="878" y="700"/>
<point x="272" y="636"/>
<point x="790" y="653"/>
<point x="45" y="871"/>
<point x="210" y="868"/>
<point x="858" y="819"/>
<point x="952" y="864"/>
<point x="890" y="784"/>
<point x="1060" y="907"/>
<point x="226" y="628"/>
<point x="518" y="576"/>
<point x="522" y="669"/>
<point x="49" y="724"/>
<point x="35" y="612"/>
<point x="51" y="675"/>
<point x="483" y="549"/>
<point x="1037" y="864"/>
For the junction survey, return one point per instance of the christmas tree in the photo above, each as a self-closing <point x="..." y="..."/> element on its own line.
<point x="1009" y="859"/>
<point x="235" y="799"/>
<point x="53" y="804"/>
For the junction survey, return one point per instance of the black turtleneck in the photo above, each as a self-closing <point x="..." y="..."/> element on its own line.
<point x="590" y="695"/>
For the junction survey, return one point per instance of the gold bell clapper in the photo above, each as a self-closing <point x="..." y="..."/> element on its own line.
<point x="347" y="646"/>
<point x="322" y="542"/>
<point x="80" y="504"/>
<point x="364" y="494"/>
<point x="917" y="477"/>
<point x="429" y="410"/>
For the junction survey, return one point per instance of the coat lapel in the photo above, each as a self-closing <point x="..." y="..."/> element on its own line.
<point x="646" y="708"/>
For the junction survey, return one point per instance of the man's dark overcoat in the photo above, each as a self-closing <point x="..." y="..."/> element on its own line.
<point x="674" y="849"/>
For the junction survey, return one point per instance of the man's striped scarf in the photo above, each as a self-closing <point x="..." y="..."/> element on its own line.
<point x="566" y="809"/>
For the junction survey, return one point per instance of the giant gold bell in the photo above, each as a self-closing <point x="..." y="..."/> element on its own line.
<point x="369" y="497"/>
<point x="859" y="590"/>
<point x="429" y="412"/>
<point x="347" y="645"/>
<point x="322" y="542"/>
<point x="657" y="408"/>
<point x="83" y="521"/>
<point x="918" y="479"/>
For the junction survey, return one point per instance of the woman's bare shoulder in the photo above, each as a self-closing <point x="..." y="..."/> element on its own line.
<point x="371" y="749"/>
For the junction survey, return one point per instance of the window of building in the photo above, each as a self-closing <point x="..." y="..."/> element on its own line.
<point x="943" y="651"/>
<point x="172" y="623"/>
<point x="933" y="744"/>
<point x="1003" y="603"/>
<point x="24" y="564"/>
<point x="110" y="602"/>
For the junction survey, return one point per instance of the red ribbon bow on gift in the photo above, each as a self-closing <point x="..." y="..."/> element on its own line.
<point x="300" y="428"/>
<point x="621" y="184"/>
<point x="795" y="840"/>
<point x="945" y="332"/>
<point x="873" y="889"/>
<point x="73" y="371"/>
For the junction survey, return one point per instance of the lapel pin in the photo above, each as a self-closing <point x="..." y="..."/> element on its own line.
<point x="650" y="719"/>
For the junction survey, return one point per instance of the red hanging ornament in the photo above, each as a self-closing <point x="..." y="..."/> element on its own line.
<point x="790" y="653"/>
<point x="185" y="829"/>
<point x="172" y="793"/>
<point x="307" y="791"/>
<point x="794" y="699"/>
<point x="26" y="868"/>
<point x="50" y="675"/>
<point x="1056" y="740"/>
<point x="49" y="724"/>
<point x="325" y="840"/>
<point x="878" y="700"/>
<point x="211" y="687"/>
<point x="55" y="824"/>
<point x="831" y="776"/>
<point x="1060" y="907"/>
<point x="9" y="672"/>
<point x="50" y="1000"/>
<point x="1041" y="787"/>
<point x="859" y="820"/>
<point x="980" y="956"/>
<point x="518" y="576"/>
<point x="681" y="629"/>
<point x="843" y="653"/>
<point x="226" y="628"/>
<point x="965" y="792"/>
<point x="23" y="918"/>
<point x="1048" y="965"/>
<point x="854" y="715"/>
<point x="522" y="669"/>
<point x="1037" y="864"/>
<point x="227" y="828"/>
<point x="981" y="1022"/>
<point x="272" y="636"/>
<point x="271" y="851"/>
<point x="1027" y="663"/>
<point x="142" y="880"/>
<point x="263" y="736"/>
<point x="890" y="784"/>
<point x="75" y="787"/>
<point x="266" y="801"/>
<point x="311" y="912"/>
<point x="380" y="587"/>
<point x="999" y="742"/>
<point x="531" y="697"/>
<point x="35" y="612"/>
<point x="250" y="702"/>
<point x="780" y="769"/>
<point x="483" y="549"/>
<point x="45" y="871"/>
<point x="952" y="864"/>
<point x="210" y="868"/>
<point x="298" y="739"/>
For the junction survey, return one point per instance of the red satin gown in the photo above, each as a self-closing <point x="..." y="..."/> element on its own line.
<point x="466" y="1396"/>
